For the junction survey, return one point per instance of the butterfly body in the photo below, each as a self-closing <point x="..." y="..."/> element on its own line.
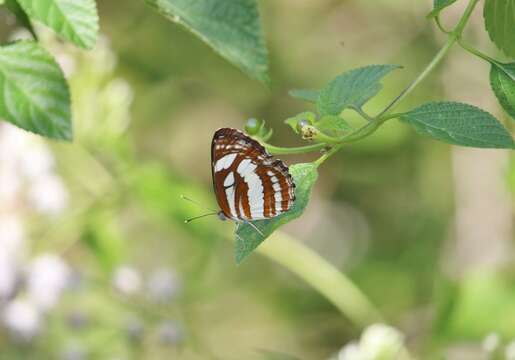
<point x="249" y="184"/>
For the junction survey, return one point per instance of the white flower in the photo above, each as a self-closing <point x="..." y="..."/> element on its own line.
<point x="380" y="341"/>
<point x="46" y="279"/>
<point x="12" y="237"/>
<point x="8" y="275"/>
<point x="22" y="319"/>
<point x="10" y="183"/>
<point x="510" y="351"/>
<point x="127" y="280"/>
<point x="36" y="161"/>
<point x="163" y="285"/>
<point x="48" y="195"/>
<point x="351" y="351"/>
<point x="491" y="342"/>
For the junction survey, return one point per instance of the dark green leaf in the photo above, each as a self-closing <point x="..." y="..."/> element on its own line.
<point x="310" y="95"/>
<point x="459" y="124"/>
<point x="294" y="121"/>
<point x="21" y="17"/>
<point x="438" y="6"/>
<point x="503" y="86"/>
<point x="74" y="20"/>
<point x="34" y="94"/>
<point x="333" y="125"/>
<point x="247" y="238"/>
<point x="231" y="28"/>
<point x="500" y="23"/>
<point x="352" y="89"/>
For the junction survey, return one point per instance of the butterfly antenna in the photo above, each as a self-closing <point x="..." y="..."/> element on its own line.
<point x="256" y="228"/>
<point x="196" y="203"/>
<point x="199" y="217"/>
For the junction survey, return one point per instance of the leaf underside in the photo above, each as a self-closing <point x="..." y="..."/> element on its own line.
<point x="34" y="94"/>
<point x="231" y="28"/>
<point x="74" y="20"/>
<point x="499" y="18"/>
<point x="248" y="239"/>
<point x="459" y="124"/>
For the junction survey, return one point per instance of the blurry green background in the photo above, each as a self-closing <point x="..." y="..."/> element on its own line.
<point x="423" y="228"/>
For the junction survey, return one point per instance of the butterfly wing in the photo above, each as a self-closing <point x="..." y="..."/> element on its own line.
<point x="249" y="184"/>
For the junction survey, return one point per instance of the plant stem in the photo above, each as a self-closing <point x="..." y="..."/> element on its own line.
<point x="277" y="150"/>
<point x="322" y="276"/>
<point x="476" y="52"/>
<point x="453" y="36"/>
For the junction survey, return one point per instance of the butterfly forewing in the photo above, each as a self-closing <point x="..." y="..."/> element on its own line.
<point x="249" y="184"/>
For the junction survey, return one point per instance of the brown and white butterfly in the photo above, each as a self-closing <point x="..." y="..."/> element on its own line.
<point x="249" y="184"/>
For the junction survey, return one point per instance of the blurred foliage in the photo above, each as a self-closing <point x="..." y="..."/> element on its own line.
<point x="146" y="102"/>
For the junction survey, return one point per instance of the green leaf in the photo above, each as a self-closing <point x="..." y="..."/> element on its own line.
<point x="248" y="239"/>
<point x="503" y="86"/>
<point x="500" y="23"/>
<point x="294" y="121"/>
<point x="34" y="94"/>
<point x="352" y="89"/>
<point x="333" y="126"/>
<point x="459" y="124"/>
<point x="310" y="95"/>
<point x="438" y="6"/>
<point x="74" y="20"/>
<point x="231" y="28"/>
<point x="273" y="355"/>
<point x="21" y="17"/>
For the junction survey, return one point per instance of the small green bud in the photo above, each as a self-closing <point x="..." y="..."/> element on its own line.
<point x="308" y="132"/>
<point x="253" y="126"/>
<point x="302" y="123"/>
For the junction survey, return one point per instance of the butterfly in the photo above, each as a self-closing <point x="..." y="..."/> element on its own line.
<point x="248" y="183"/>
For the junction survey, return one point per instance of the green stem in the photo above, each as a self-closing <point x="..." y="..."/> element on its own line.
<point x="476" y="52"/>
<point x="277" y="150"/>
<point x="322" y="276"/>
<point x="453" y="36"/>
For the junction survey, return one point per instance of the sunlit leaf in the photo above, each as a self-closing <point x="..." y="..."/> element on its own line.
<point x="248" y="239"/>
<point x="500" y="23"/>
<point x="459" y="124"/>
<point x="438" y="6"/>
<point x="34" y="94"/>
<point x="310" y="95"/>
<point x="74" y="20"/>
<point x="231" y="28"/>
<point x="352" y="89"/>
<point x="333" y="125"/>
<point x="502" y="80"/>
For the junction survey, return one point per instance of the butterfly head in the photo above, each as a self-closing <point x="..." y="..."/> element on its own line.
<point x="221" y="215"/>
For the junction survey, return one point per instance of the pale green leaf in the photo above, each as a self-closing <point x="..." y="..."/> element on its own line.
<point x="310" y="95"/>
<point x="248" y="239"/>
<point x="74" y="20"/>
<point x="333" y="125"/>
<point x="502" y="80"/>
<point x="438" y="6"/>
<point x="34" y="94"/>
<point x="352" y="89"/>
<point x="500" y="23"/>
<point x="231" y="28"/>
<point x="459" y="124"/>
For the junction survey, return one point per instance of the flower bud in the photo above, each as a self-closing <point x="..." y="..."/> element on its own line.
<point x="252" y="126"/>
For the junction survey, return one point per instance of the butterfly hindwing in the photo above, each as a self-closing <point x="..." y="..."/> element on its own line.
<point x="249" y="184"/>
